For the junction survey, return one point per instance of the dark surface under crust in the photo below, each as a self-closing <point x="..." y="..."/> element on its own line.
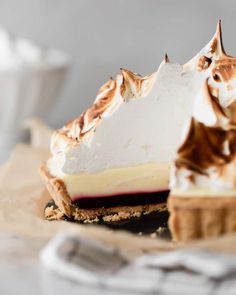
<point x="154" y="224"/>
<point x="122" y="200"/>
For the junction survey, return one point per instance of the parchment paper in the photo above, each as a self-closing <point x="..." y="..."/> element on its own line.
<point x="23" y="198"/>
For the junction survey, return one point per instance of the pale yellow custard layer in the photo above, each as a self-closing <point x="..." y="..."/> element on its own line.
<point x="203" y="192"/>
<point x="141" y="178"/>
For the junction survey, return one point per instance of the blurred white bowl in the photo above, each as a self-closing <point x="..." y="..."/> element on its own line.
<point x="29" y="86"/>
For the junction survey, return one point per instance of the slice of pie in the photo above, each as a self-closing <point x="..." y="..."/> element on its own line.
<point x="112" y="163"/>
<point x="202" y="202"/>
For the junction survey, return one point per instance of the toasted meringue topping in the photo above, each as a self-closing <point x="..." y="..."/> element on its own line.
<point x="136" y="85"/>
<point x="110" y="96"/>
<point x="207" y="109"/>
<point x="218" y="67"/>
<point x="208" y="153"/>
<point x="207" y="157"/>
<point x="211" y="61"/>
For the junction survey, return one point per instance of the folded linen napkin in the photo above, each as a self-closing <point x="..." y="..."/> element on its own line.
<point x="179" y="272"/>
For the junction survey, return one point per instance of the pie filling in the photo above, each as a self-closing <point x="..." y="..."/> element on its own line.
<point x="203" y="192"/>
<point x="129" y="199"/>
<point x="125" y="186"/>
<point x="140" y="180"/>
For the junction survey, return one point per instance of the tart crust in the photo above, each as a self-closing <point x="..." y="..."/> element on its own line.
<point x="201" y="217"/>
<point x="58" y="192"/>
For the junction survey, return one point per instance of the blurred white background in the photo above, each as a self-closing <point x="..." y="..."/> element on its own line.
<point x="103" y="35"/>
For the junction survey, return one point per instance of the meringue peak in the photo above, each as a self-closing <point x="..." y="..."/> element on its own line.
<point x="214" y="50"/>
<point x="216" y="44"/>
<point x="166" y="58"/>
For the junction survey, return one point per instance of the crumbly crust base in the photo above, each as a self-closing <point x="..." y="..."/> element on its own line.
<point x="57" y="190"/>
<point x="104" y="214"/>
<point x="201" y="217"/>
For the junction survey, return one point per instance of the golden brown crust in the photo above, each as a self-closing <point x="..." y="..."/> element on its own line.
<point x="201" y="217"/>
<point x="57" y="190"/>
<point x="112" y="214"/>
<point x="52" y="213"/>
<point x="60" y="195"/>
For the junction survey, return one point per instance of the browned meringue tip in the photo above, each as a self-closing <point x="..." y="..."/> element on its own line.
<point x="166" y="58"/>
<point x="217" y="42"/>
<point x="130" y="73"/>
<point x="214" y="50"/>
<point x="123" y="70"/>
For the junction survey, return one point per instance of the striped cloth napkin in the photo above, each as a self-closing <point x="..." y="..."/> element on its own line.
<point x="179" y="272"/>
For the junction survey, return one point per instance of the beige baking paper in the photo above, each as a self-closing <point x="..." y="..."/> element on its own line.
<point x="23" y="198"/>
